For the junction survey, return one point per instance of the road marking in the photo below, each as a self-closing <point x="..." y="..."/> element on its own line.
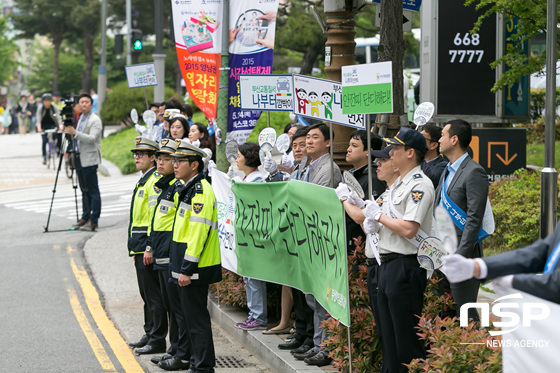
<point x="94" y="342"/>
<point x="111" y="334"/>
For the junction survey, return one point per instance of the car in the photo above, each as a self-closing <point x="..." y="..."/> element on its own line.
<point x="283" y="84"/>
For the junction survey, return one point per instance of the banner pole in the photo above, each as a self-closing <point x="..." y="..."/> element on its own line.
<point x="268" y="118"/>
<point x="332" y="154"/>
<point x="369" y="158"/>
<point x="146" y="98"/>
<point x="349" y="350"/>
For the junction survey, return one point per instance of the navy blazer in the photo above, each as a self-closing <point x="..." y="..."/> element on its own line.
<point x="469" y="190"/>
<point x="525" y="263"/>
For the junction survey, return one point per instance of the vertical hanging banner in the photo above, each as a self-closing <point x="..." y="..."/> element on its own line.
<point x="198" y="41"/>
<point x="251" y="36"/>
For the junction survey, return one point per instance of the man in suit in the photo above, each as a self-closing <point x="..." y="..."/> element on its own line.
<point x="87" y="139"/>
<point x="465" y="184"/>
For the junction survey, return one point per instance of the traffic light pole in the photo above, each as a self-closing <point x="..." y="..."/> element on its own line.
<point x="159" y="56"/>
<point x="128" y="31"/>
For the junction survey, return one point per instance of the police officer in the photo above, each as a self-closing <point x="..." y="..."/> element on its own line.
<point x="399" y="280"/>
<point x="159" y="238"/>
<point x="195" y="252"/>
<point x="144" y="200"/>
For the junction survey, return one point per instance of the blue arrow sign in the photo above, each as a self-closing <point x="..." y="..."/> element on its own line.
<point x="413" y="5"/>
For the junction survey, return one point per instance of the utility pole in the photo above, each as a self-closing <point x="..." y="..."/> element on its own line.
<point x="159" y="56"/>
<point x="221" y="160"/>
<point x="102" y="70"/>
<point x="128" y="31"/>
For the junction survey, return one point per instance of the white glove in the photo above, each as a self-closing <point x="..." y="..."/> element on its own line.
<point x="372" y="209"/>
<point x="196" y="143"/>
<point x="356" y="201"/>
<point x="457" y="268"/>
<point x="140" y="129"/>
<point x="371" y="226"/>
<point x="270" y="165"/>
<point x="286" y="162"/>
<point x="503" y="283"/>
<point x="342" y="192"/>
<point x="232" y="172"/>
<point x="212" y="167"/>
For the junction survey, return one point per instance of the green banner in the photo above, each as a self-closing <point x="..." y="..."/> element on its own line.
<point x="367" y="99"/>
<point x="293" y="233"/>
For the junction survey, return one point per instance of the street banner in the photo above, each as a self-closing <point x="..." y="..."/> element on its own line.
<point x="266" y="93"/>
<point x="322" y="99"/>
<point x="251" y="36"/>
<point x="530" y="329"/>
<point x="198" y="42"/>
<point x="368" y="88"/>
<point x="141" y="75"/>
<point x="285" y="237"/>
<point x="221" y="184"/>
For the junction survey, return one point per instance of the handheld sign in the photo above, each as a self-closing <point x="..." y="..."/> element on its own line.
<point x="267" y="140"/>
<point x="444" y="229"/>
<point x="150" y="118"/>
<point x="353" y="184"/>
<point x="429" y="253"/>
<point x="232" y="150"/>
<point x="423" y="113"/>
<point x="134" y="116"/>
<point x="283" y="142"/>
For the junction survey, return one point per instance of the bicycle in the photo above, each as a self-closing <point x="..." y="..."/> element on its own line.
<point x="51" y="148"/>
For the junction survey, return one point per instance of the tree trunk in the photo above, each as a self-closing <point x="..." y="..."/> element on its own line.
<point x="309" y="59"/>
<point x="56" y="45"/>
<point x="88" y="50"/>
<point x="392" y="46"/>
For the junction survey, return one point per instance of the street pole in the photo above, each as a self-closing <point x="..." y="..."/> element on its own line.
<point x="159" y="56"/>
<point x="128" y="30"/>
<point x="221" y="160"/>
<point x="548" y="174"/>
<point x="102" y="70"/>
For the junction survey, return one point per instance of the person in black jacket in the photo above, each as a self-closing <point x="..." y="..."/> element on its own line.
<point x="434" y="163"/>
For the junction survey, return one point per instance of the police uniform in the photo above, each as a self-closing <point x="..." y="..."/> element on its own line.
<point x="195" y="252"/>
<point x="398" y="284"/>
<point x="144" y="200"/>
<point x="159" y="238"/>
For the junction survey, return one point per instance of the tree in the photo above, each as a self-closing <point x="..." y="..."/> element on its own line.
<point x="8" y="50"/>
<point x="86" y="20"/>
<point x="531" y="18"/>
<point x="45" y="17"/>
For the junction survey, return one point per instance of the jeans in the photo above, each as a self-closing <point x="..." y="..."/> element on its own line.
<point x="91" y="198"/>
<point x="256" y="299"/>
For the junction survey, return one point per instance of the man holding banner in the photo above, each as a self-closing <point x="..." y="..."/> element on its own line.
<point x="463" y="189"/>
<point x="399" y="280"/>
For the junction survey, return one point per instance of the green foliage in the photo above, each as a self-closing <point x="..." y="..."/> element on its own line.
<point x="531" y="22"/>
<point x="278" y="120"/>
<point x="8" y="49"/>
<point x="538" y="99"/>
<point x="116" y="149"/>
<point x="518" y="226"/>
<point x="535" y="152"/>
<point x="120" y="100"/>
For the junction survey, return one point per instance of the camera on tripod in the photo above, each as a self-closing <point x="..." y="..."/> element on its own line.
<point x="67" y="112"/>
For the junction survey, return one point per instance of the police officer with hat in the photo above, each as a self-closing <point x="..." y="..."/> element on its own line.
<point x="144" y="200"/>
<point x="195" y="252"/>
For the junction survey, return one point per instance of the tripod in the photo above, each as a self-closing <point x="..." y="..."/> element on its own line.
<point x="77" y="178"/>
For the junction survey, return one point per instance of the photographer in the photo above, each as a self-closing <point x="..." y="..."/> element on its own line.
<point x="87" y="142"/>
<point x="48" y="118"/>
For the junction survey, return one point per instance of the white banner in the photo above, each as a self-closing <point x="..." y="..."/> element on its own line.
<point x="225" y="200"/>
<point x="266" y="92"/>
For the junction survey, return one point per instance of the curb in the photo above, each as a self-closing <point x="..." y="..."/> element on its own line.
<point x="264" y="347"/>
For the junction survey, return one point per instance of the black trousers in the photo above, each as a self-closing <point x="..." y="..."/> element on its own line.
<point x="155" y="314"/>
<point x="304" y="318"/>
<point x="194" y="302"/>
<point x="177" y="325"/>
<point x="396" y="293"/>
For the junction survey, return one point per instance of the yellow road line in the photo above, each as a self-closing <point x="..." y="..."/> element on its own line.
<point x="111" y="334"/>
<point x="94" y="342"/>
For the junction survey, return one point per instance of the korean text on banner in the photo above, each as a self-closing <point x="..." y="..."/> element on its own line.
<point x="322" y="99"/>
<point x="368" y="88"/>
<point x="283" y="236"/>
<point x="198" y="41"/>
<point x="252" y="32"/>
<point x="225" y="199"/>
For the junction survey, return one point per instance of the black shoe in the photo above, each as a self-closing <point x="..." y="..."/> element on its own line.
<point x="150" y="349"/>
<point x="306" y="355"/>
<point x="319" y="360"/>
<point x="142" y="342"/>
<point x="292" y="345"/>
<point x="81" y="223"/>
<point x="301" y="349"/>
<point x="90" y="227"/>
<point x="157" y="359"/>
<point x="173" y="363"/>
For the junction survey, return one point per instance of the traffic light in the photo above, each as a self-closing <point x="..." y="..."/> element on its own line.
<point x="118" y="48"/>
<point x="137" y="40"/>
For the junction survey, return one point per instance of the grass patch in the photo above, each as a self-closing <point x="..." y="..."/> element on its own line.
<point x="116" y="149"/>
<point x="535" y="154"/>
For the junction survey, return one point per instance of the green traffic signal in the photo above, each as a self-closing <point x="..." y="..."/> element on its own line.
<point x="137" y="45"/>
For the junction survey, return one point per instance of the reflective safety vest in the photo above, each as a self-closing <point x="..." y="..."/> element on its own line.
<point x="144" y="200"/>
<point x="160" y="234"/>
<point x="195" y="249"/>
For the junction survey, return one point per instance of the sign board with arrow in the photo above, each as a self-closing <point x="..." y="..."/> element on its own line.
<point x="412" y="5"/>
<point x="500" y="151"/>
<point x="407" y="19"/>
